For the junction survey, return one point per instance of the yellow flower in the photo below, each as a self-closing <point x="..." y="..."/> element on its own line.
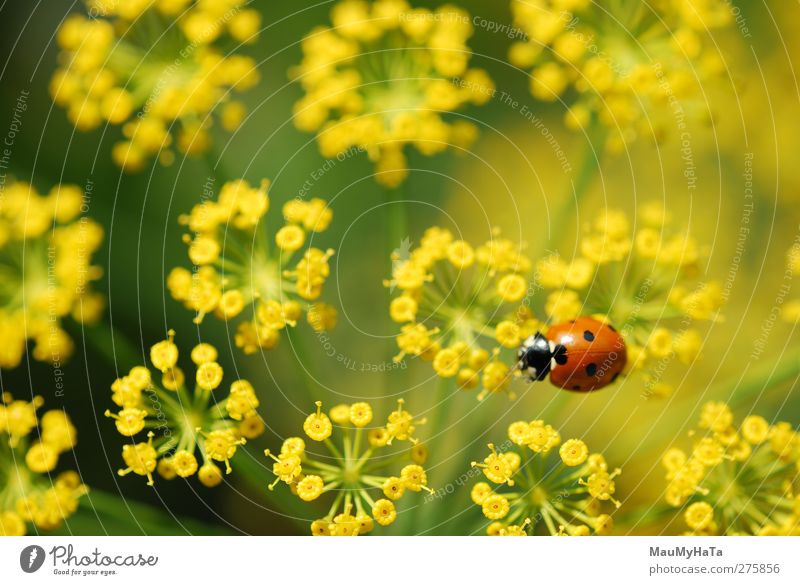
<point x="118" y="66"/>
<point x="310" y="488"/>
<point x="384" y="76"/>
<point x="495" y="507"/>
<point x="460" y="314"/>
<point x="384" y="512"/>
<point x="574" y="452"/>
<point x="562" y="495"/>
<point x="240" y="272"/>
<point x="360" y="414"/>
<point x="46" y="251"/>
<point x="209" y="475"/>
<point x="186" y="422"/>
<point x="699" y="516"/>
<point x="354" y="469"/>
<point x="736" y="480"/>
<point x="184" y="463"/>
<point x="626" y="65"/>
<point x="30" y="448"/>
<point x="317" y="425"/>
<point x="129" y="421"/>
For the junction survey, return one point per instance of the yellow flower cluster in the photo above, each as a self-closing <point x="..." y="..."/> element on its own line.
<point x="791" y="310"/>
<point x="561" y="495"/>
<point x="355" y="465"/>
<point x="29" y="451"/>
<point x="736" y="480"/>
<point x="181" y="422"/>
<point x="638" y="68"/>
<point x="151" y="66"/>
<point x="383" y="76"/>
<point x="237" y="268"/>
<point x="644" y="282"/>
<point x="459" y="306"/>
<point x="45" y="259"/>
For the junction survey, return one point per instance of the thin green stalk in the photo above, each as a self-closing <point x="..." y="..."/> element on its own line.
<point x="784" y="367"/>
<point x="299" y="346"/>
<point x="397" y="222"/>
<point x="396" y="232"/>
<point x="590" y="165"/>
<point x="115" y="348"/>
<point x="102" y="512"/>
<point x="218" y="170"/>
<point x="437" y="421"/>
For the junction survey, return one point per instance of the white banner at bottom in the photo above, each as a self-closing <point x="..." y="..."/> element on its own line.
<point x="406" y="560"/>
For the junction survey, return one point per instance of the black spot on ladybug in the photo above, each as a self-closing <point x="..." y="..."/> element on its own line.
<point x="591" y="369"/>
<point x="576" y="387"/>
<point x="588" y="335"/>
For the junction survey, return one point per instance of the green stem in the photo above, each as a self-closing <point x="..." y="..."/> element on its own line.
<point x="299" y="346"/>
<point x="590" y="164"/>
<point x="396" y="232"/>
<point x="397" y="228"/>
<point x="436" y="513"/>
<point x="115" y="348"/>
<point x="763" y="376"/>
<point x="218" y="170"/>
<point x="102" y="512"/>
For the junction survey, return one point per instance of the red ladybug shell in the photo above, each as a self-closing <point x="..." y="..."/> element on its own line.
<point x="595" y="356"/>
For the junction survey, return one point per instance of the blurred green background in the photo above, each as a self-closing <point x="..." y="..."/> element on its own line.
<point x="511" y="179"/>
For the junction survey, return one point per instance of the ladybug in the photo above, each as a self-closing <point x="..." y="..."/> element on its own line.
<point x="581" y="355"/>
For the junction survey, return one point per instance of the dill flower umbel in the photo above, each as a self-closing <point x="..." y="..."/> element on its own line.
<point x="736" y="479"/>
<point x="633" y="66"/>
<point x="45" y="259"/>
<point x="30" y="447"/>
<point x="644" y="282"/>
<point x="152" y="67"/>
<point x="385" y="76"/>
<point x="275" y="280"/>
<point x="356" y="467"/>
<point x="188" y="432"/>
<point x="459" y="306"/>
<point x="536" y="493"/>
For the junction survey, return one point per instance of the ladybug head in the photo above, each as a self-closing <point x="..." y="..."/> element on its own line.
<point x="535" y="357"/>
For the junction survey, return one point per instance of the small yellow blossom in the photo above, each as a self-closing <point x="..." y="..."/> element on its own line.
<point x="244" y="274"/>
<point x="458" y="307"/>
<point x="736" y="480"/>
<point x="384" y="76"/>
<point x="624" y="65"/>
<point x="354" y="471"/>
<point x="317" y="425"/>
<point x="31" y="493"/>
<point x="542" y="495"/>
<point x="118" y="66"/>
<point x="183" y="423"/>
<point x="45" y="257"/>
